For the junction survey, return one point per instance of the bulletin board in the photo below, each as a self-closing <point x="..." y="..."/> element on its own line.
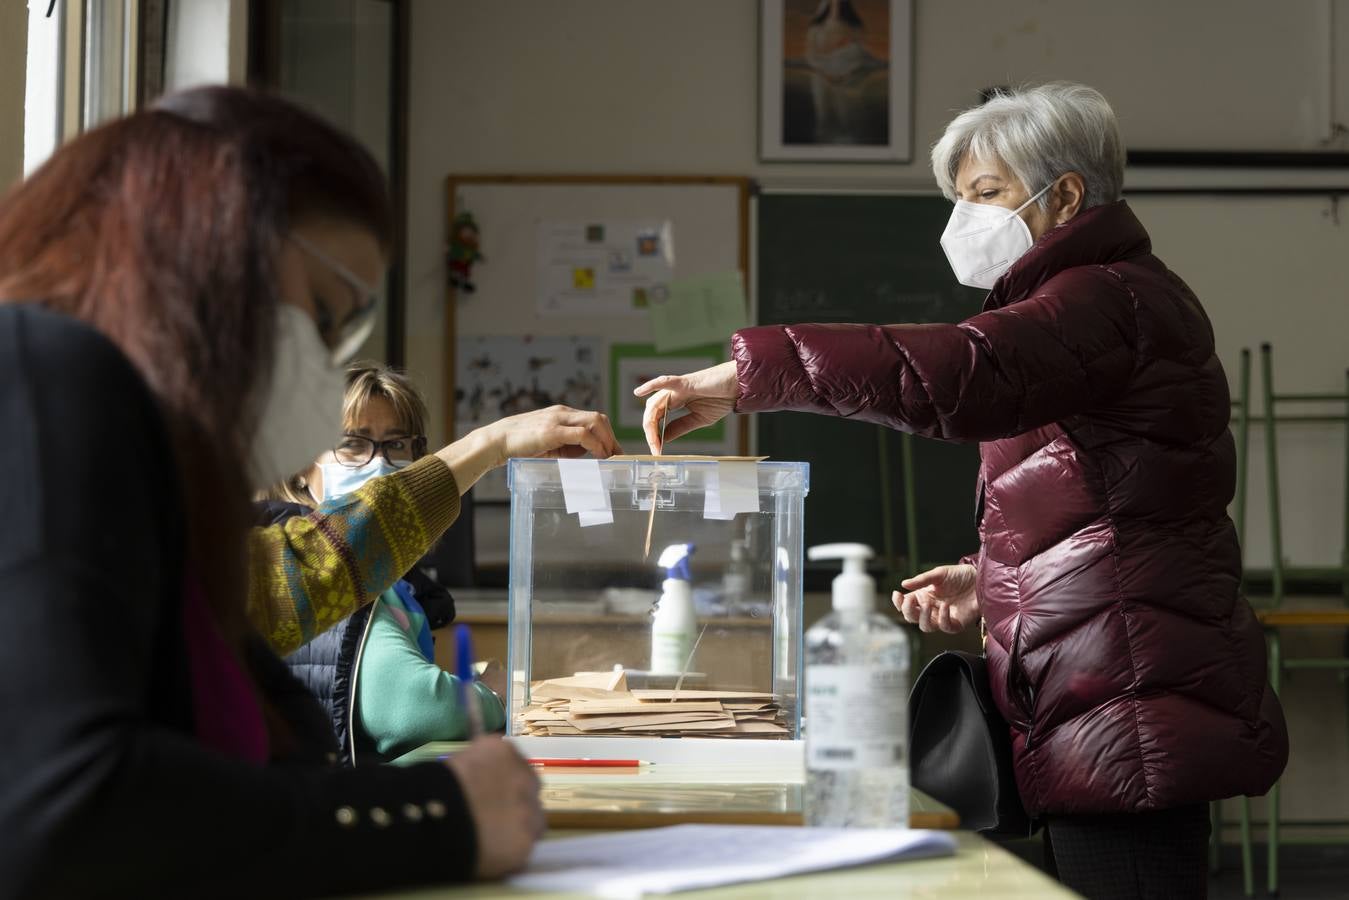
<point x="544" y="324"/>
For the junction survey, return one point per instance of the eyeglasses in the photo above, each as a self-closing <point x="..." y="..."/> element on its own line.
<point x="348" y="336"/>
<point x="355" y="450"/>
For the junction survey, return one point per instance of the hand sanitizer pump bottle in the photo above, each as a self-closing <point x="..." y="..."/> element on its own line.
<point x="857" y="705"/>
<point x="674" y="626"/>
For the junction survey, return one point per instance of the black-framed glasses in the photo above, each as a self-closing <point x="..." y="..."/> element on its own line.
<point x="347" y="336"/>
<point x="355" y="450"/>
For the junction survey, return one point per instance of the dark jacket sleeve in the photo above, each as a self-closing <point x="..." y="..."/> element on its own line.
<point x="1063" y="351"/>
<point x="103" y="788"/>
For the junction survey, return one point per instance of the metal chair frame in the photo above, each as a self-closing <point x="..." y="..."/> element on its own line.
<point x="1274" y="617"/>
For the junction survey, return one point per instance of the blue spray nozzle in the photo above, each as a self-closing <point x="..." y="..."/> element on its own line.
<point x="680" y="570"/>
<point x="674" y="559"/>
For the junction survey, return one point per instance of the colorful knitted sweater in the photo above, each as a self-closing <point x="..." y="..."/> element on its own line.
<point x="310" y="572"/>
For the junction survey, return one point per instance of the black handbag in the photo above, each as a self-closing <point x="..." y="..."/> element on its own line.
<point x="960" y="751"/>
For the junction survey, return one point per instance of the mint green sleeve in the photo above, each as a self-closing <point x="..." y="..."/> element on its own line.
<point x="403" y="701"/>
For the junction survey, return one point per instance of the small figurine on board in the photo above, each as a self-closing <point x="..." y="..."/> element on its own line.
<point x="463" y="252"/>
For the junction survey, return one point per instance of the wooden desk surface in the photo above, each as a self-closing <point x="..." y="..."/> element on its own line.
<point x="979" y="869"/>
<point x="666" y="794"/>
<point x="582" y="801"/>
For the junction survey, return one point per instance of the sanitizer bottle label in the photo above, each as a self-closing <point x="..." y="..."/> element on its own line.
<point x="856" y="717"/>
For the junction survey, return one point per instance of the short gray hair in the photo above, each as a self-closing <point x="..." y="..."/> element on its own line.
<point x="1039" y="133"/>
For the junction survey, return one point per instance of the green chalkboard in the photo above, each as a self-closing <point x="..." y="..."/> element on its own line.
<point x="866" y="258"/>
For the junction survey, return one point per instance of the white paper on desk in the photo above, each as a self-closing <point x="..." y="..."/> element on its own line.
<point x="731" y="488"/>
<point x="686" y="857"/>
<point x="583" y="490"/>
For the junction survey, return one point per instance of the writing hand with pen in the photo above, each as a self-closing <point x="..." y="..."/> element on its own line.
<point x="499" y="785"/>
<point x="501" y="791"/>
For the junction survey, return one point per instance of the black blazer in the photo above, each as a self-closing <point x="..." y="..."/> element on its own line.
<point x="103" y="789"/>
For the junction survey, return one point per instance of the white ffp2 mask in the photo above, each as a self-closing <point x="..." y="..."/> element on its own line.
<point x="303" y="410"/>
<point x="982" y="241"/>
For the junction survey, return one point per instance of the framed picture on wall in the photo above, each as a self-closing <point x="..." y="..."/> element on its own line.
<point x="834" y="80"/>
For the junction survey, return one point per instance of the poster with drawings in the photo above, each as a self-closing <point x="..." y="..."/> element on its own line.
<point x="501" y="375"/>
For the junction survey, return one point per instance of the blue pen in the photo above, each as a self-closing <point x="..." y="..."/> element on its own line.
<point x="463" y="661"/>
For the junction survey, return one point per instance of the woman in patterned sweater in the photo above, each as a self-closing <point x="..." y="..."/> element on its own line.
<point x="375" y="671"/>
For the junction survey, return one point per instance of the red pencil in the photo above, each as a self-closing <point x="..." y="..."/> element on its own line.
<point x="586" y="762"/>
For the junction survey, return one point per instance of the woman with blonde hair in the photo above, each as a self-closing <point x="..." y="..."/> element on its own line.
<point x="375" y="671"/>
<point x="386" y="394"/>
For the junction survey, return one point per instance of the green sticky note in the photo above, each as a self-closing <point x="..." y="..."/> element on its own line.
<point x="693" y="312"/>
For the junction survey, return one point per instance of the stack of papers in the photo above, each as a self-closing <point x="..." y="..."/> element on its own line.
<point x="594" y="704"/>
<point x="686" y="857"/>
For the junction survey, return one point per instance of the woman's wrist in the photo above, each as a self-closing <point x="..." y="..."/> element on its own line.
<point x="471" y="457"/>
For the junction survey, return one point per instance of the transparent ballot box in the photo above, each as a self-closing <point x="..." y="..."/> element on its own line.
<point x="697" y="637"/>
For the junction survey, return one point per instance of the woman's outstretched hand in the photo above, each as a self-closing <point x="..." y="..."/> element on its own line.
<point x="940" y="599"/>
<point x="558" y="431"/>
<point x="708" y="395"/>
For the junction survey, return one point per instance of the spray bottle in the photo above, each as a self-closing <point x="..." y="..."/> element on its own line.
<point x="674" y="626"/>
<point x="857" y="709"/>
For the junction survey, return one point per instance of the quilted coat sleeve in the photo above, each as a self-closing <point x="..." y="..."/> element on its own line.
<point x="1066" y="349"/>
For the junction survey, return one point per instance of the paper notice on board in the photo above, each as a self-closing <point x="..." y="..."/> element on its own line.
<point x="732" y="488"/>
<point x="583" y="491"/>
<point x="603" y="268"/>
<point x="697" y="311"/>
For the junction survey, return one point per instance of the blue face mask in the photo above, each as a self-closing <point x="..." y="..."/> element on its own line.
<point x="340" y="480"/>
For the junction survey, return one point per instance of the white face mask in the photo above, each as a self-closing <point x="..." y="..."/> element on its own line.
<point x="340" y="480"/>
<point x="982" y="241"/>
<point x="303" y="409"/>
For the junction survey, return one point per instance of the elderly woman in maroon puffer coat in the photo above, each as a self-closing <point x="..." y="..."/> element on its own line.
<point x="1122" y="653"/>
